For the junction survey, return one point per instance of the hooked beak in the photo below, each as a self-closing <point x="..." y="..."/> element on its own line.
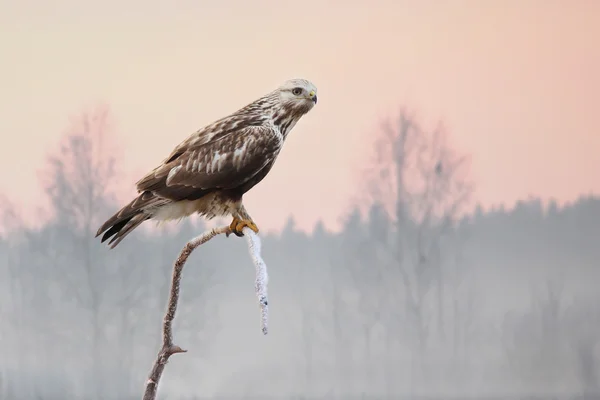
<point x="314" y="99"/>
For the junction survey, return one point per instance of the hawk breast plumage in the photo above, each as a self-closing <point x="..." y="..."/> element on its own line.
<point x="209" y="172"/>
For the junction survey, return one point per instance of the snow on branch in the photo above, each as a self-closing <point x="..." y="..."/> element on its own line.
<point x="168" y="347"/>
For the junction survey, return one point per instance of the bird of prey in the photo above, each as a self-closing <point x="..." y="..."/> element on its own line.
<point x="209" y="172"/>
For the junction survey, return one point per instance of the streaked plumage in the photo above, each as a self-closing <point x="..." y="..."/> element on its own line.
<point x="209" y="172"/>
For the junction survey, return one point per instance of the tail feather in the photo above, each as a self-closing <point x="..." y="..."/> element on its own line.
<point x="124" y="228"/>
<point x="128" y="218"/>
<point x="115" y="229"/>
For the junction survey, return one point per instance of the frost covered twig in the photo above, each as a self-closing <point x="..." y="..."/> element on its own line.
<point x="262" y="278"/>
<point x="168" y="348"/>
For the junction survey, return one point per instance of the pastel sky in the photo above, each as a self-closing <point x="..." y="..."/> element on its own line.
<point x="516" y="83"/>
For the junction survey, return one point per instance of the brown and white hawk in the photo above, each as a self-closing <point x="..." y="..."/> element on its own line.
<point x="209" y="172"/>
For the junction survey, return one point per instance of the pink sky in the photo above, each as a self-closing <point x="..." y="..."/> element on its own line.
<point x="515" y="82"/>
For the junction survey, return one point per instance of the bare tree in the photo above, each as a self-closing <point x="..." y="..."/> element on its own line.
<point x="422" y="184"/>
<point x="79" y="181"/>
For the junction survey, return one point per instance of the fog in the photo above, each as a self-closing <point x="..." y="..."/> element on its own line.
<point x="417" y="295"/>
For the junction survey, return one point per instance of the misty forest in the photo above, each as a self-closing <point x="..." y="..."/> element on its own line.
<point x="420" y="293"/>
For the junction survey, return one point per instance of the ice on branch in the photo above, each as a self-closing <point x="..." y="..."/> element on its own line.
<point x="262" y="278"/>
<point x="168" y="348"/>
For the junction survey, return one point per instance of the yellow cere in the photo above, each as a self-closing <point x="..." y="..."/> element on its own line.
<point x="312" y="93"/>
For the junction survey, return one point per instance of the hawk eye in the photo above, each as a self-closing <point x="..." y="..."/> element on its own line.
<point x="297" y="91"/>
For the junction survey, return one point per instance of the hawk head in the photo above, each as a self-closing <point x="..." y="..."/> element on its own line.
<point x="298" y="95"/>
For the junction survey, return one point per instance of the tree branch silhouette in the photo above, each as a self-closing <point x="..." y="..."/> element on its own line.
<point x="168" y="347"/>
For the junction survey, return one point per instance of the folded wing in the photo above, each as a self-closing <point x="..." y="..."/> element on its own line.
<point x="193" y="169"/>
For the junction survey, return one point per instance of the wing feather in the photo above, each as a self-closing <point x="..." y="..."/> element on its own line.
<point x="224" y="162"/>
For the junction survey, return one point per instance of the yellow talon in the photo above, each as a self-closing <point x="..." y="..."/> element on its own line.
<point x="237" y="225"/>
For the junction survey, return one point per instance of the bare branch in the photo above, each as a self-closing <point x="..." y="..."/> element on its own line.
<point x="168" y="348"/>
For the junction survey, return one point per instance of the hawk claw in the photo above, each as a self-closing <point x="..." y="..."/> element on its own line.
<point x="237" y="225"/>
